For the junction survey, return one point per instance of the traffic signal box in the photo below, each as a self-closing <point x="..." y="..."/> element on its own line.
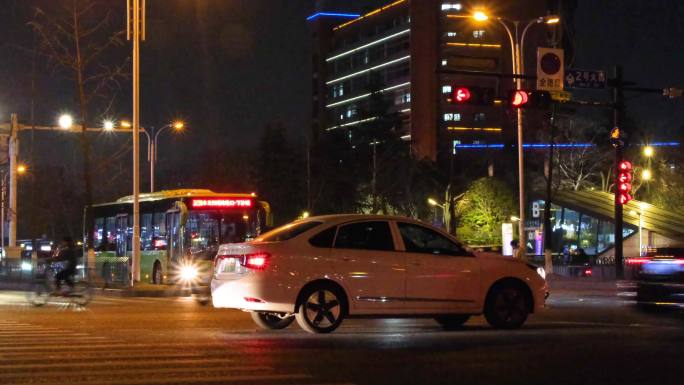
<point x="624" y="186"/>
<point x="529" y="99"/>
<point x="474" y="96"/>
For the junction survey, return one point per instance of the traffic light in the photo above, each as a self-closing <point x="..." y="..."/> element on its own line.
<point x="474" y="96"/>
<point x="624" y="182"/>
<point x="529" y="99"/>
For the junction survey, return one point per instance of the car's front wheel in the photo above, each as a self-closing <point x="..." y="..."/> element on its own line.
<point x="507" y="306"/>
<point x="452" y="321"/>
<point x="271" y="321"/>
<point x="322" y="309"/>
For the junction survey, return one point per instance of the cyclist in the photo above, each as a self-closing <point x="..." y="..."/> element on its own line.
<point x="65" y="253"/>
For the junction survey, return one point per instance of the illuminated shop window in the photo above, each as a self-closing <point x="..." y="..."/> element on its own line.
<point x="451" y="7"/>
<point x="479" y="34"/>
<point x="452" y="117"/>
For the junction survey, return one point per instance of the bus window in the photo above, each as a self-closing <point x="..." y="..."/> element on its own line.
<point x="159" y="236"/>
<point x="146" y="231"/>
<point x="98" y="233"/>
<point x="110" y="234"/>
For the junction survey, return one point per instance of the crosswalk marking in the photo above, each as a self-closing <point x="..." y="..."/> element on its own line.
<point x="33" y="354"/>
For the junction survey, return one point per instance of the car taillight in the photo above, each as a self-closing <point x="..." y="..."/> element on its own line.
<point x="256" y="261"/>
<point x="221" y="257"/>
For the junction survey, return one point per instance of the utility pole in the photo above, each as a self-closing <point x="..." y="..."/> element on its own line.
<point x="548" y="233"/>
<point x="13" y="155"/>
<point x="137" y="35"/>
<point x="618" y="106"/>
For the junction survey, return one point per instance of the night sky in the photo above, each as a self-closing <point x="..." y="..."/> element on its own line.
<point x="229" y="67"/>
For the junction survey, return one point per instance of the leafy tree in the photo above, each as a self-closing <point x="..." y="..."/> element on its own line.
<point x="486" y="204"/>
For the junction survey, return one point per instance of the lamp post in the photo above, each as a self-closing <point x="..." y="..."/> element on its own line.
<point x="434" y="203"/>
<point x="152" y="135"/>
<point x="20" y="169"/>
<point x="517" y="42"/>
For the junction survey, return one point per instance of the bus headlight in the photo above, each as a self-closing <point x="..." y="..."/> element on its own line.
<point x="188" y="273"/>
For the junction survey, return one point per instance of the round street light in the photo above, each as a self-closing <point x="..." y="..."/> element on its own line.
<point x="432" y="202"/>
<point x="178" y="125"/>
<point x="108" y="125"/>
<point x="66" y="121"/>
<point x="648" y="151"/>
<point x="21" y="169"/>
<point x="646" y="175"/>
<point x="552" y="19"/>
<point x="480" y="16"/>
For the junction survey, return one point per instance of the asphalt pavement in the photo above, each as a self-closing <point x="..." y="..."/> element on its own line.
<point x="584" y="337"/>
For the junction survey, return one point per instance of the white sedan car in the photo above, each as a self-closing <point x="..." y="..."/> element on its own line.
<point x="323" y="269"/>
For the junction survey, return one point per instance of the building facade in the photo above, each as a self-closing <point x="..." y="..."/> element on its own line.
<point x="415" y="53"/>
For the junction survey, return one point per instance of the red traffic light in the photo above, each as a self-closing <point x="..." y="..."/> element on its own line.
<point x="461" y="95"/>
<point x="519" y="99"/>
<point x="624" y="178"/>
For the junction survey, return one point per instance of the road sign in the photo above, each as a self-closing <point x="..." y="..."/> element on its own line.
<point x="592" y="79"/>
<point x="561" y="96"/>
<point x="550" y="69"/>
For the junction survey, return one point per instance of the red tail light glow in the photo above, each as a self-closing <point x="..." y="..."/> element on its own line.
<point x="588" y="272"/>
<point x="256" y="261"/>
<point x="637" y="261"/>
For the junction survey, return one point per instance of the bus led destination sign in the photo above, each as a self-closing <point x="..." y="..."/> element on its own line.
<point x="220" y="203"/>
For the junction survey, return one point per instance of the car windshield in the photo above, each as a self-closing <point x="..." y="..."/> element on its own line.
<point x="288" y="231"/>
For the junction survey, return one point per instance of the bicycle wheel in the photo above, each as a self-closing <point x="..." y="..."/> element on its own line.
<point x="39" y="294"/>
<point x="83" y="293"/>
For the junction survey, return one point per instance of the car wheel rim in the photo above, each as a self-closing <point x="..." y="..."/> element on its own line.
<point x="510" y="306"/>
<point x="271" y="318"/>
<point x="322" y="309"/>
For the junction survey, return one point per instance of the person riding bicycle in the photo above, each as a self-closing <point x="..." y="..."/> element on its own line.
<point x="66" y="253"/>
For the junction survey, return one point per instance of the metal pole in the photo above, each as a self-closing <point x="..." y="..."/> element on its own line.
<point x="152" y="161"/>
<point x="2" y="215"/>
<point x="618" y="99"/>
<point x="548" y="234"/>
<point x="137" y="24"/>
<point x="521" y="160"/>
<point x="13" y="154"/>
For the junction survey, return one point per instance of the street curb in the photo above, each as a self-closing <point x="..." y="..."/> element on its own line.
<point x="111" y="292"/>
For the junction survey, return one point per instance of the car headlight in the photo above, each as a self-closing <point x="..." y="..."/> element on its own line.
<point x="188" y="273"/>
<point x="541" y="272"/>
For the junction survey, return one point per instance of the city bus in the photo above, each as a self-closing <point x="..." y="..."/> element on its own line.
<point x="175" y="226"/>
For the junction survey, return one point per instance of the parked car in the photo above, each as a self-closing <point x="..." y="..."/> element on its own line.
<point x="323" y="269"/>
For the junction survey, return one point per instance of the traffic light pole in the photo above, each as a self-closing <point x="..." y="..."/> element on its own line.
<point x="618" y="105"/>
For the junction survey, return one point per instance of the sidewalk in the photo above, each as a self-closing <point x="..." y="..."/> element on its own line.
<point x="140" y="290"/>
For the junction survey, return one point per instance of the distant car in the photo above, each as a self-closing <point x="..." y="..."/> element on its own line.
<point x="323" y="269"/>
<point x="660" y="278"/>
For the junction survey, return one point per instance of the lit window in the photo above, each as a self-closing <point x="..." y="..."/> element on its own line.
<point x="451" y="6"/>
<point x="480" y="117"/>
<point x="452" y="34"/>
<point x="478" y="34"/>
<point x="452" y="117"/>
<point x="403" y="98"/>
<point x="444" y="62"/>
<point x="446" y="89"/>
<point x="478" y="142"/>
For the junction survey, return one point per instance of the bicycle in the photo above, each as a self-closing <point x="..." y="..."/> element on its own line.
<point x="43" y="287"/>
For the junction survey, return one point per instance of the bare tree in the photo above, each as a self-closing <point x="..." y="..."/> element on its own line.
<point x="77" y="40"/>
<point x="580" y="161"/>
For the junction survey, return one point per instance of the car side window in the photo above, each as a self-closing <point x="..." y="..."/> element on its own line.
<point x="375" y="235"/>
<point x="324" y="239"/>
<point x="419" y="239"/>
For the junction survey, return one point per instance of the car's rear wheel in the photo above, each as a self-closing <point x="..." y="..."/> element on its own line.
<point x="452" y="321"/>
<point x="322" y="309"/>
<point x="271" y="321"/>
<point x="507" y="306"/>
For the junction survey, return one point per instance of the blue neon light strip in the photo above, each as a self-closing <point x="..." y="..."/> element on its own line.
<point x="558" y="145"/>
<point x="332" y="14"/>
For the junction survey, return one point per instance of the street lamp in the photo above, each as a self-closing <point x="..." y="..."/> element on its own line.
<point x="108" y="125"/>
<point x="642" y="206"/>
<point x="152" y="135"/>
<point x="432" y="202"/>
<point x="65" y="121"/>
<point x="646" y="175"/>
<point x="517" y="42"/>
<point x="648" y="151"/>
